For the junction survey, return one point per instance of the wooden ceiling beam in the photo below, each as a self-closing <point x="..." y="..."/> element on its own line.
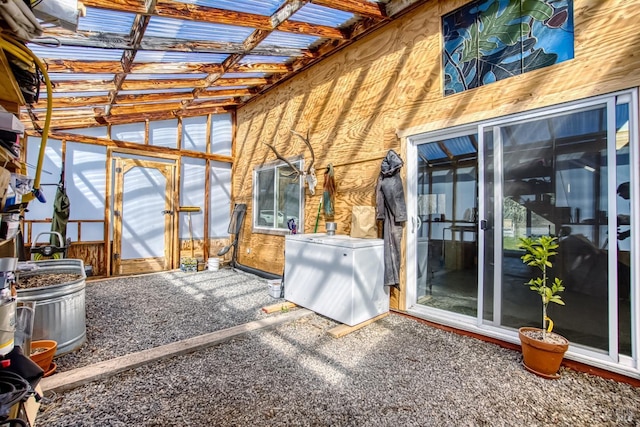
<point x="82" y="86"/>
<point x="73" y="102"/>
<point x="162" y="84"/>
<point x="225" y="93"/>
<point x="151" y="97"/>
<point x="208" y="103"/>
<point x="73" y="66"/>
<point x="193" y="12"/>
<point x="358" y="7"/>
<point x="66" y="123"/>
<point x="117" y="41"/>
<point x="113" y="67"/>
<point x="160" y="115"/>
<point x="144" y="108"/>
<point x="131" y="6"/>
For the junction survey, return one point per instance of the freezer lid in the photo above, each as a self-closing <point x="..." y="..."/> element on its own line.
<point x="340" y="240"/>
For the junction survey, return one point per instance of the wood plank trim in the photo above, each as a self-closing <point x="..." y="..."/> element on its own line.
<point x="81" y="376"/>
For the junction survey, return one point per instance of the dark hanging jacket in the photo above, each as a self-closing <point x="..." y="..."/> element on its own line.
<point x="392" y="208"/>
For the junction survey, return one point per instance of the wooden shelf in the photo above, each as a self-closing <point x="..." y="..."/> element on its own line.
<point x="10" y="94"/>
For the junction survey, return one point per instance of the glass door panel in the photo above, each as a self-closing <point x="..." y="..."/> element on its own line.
<point x="623" y="210"/>
<point x="555" y="182"/>
<point x="447" y="243"/>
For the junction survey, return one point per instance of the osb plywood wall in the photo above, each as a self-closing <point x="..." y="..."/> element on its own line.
<point x="355" y="103"/>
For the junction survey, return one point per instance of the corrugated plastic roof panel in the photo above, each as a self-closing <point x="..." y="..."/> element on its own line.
<point x="77" y="53"/>
<point x="217" y="88"/>
<point x="43" y="94"/>
<point x="192" y="48"/>
<point x="79" y="76"/>
<point x="260" y="7"/>
<point x="166" y="76"/>
<point x="150" y="91"/>
<point x="259" y="59"/>
<point x="197" y="57"/>
<point x="107" y="21"/>
<point x="191" y="30"/>
<point x="243" y="75"/>
<point x="432" y="151"/>
<point x="460" y="146"/>
<point x="320" y="15"/>
<point x="279" y="38"/>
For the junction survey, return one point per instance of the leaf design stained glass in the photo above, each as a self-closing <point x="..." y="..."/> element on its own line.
<point x="490" y="40"/>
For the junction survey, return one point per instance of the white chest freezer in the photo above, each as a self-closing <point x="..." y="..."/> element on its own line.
<point x="337" y="276"/>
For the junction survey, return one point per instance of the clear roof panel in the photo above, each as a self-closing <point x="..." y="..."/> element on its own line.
<point x="76" y="53"/>
<point x="79" y="76"/>
<point x="260" y="7"/>
<point x="432" y="151"/>
<point x="260" y="59"/>
<point x="151" y="91"/>
<point x="243" y="75"/>
<point x="460" y="146"/>
<point x="43" y="94"/>
<point x="107" y="21"/>
<point x="216" y="88"/>
<point x="279" y="38"/>
<point x="320" y="15"/>
<point x="166" y="76"/>
<point x="191" y="30"/>
<point x="159" y="56"/>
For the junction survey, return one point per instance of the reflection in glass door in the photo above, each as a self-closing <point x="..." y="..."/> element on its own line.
<point x="559" y="177"/>
<point x="447" y="243"/>
<point x="572" y="172"/>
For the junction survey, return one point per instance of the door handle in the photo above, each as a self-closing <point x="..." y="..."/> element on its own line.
<point x="484" y="224"/>
<point x="167" y="212"/>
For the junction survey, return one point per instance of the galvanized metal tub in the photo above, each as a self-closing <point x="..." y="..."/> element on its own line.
<point x="60" y="308"/>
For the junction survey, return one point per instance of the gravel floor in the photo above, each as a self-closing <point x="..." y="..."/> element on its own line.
<point x="395" y="372"/>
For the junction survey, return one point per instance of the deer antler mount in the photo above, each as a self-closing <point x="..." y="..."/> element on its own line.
<point x="309" y="175"/>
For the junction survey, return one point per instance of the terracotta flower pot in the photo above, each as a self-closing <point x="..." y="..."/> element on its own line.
<point x="541" y="357"/>
<point x="42" y="352"/>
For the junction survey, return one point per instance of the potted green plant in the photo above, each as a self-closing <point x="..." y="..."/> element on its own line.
<point x="542" y="349"/>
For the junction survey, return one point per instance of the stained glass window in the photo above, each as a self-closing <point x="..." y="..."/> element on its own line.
<point x="490" y="40"/>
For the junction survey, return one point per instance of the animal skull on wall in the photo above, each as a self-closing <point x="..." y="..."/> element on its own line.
<point x="308" y="176"/>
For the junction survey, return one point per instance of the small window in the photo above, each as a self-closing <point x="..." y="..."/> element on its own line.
<point x="277" y="197"/>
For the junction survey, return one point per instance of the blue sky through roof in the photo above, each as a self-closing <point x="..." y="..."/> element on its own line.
<point x="320" y="15"/>
<point x="166" y="76"/>
<point x="151" y="91"/>
<point x="260" y="7"/>
<point x="259" y="59"/>
<point x="76" y="53"/>
<point x="243" y="75"/>
<point x="106" y="21"/>
<point x="191" y="30"/>
<point x="197" y="57"/>
<point x="79" y="76"/>
<point x="279" y="38"/>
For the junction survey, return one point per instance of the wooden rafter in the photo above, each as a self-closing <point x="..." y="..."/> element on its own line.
<point x="211" y="89"/>
<point x="358" y="7"/>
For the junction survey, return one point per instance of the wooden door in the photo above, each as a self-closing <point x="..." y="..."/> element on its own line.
<point x="142" y="216"/>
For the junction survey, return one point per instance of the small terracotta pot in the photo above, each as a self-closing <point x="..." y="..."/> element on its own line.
<point x="42" y="352"/>
<point x="540" y="357"/>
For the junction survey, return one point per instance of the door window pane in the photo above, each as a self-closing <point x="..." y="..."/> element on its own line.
<point x="623" y="209"/>
<point x="447" y="247"/>
<point x="555" y="182"/>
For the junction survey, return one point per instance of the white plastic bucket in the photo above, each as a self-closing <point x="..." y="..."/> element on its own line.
<point x="7" y="326"/>
<point x="213" y="264"/>
<point x="275" y="287"/>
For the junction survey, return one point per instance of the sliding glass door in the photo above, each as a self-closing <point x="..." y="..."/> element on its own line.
<point x="569" y="172"/>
